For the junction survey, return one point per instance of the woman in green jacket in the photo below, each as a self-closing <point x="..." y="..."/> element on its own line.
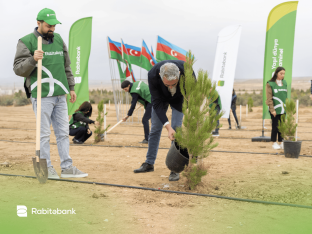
<point x="276" y="92"/>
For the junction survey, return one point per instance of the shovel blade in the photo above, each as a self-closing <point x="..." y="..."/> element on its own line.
<point x="41" y="170"/>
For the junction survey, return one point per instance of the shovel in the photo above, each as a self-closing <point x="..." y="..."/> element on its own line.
<point x="41" y="169"/>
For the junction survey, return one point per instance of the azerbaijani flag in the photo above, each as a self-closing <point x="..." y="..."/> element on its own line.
<point x="167" y="51"/>
<point x="124" y="52"/>
<point x="134" y="54"/>
<point x="114" y="51"/>
<point x="129" y="73"/>
<point x="152" y="51"/>
<point x="121" y="73"/>
<point x="147" y="59"/>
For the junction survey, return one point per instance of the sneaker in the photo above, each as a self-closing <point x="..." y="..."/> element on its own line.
<point x="282" y="145"/>
<point x="215" y="134"/>
<point x="230" y="128"/>
<point x="77" y="142"/>
<point x="238" y="127"/>
<point x="73" y="172"/>
<point x="174" y="176"/>
<point x="144" y="142"/>
<point x="52" y="174"/>
<point x="145" y="167"/>
<point x="276" y="146"/>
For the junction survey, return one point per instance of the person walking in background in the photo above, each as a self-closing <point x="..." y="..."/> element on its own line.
<point x="140" y="93"/>
<point x="79" y="123"/>
<point x="233" y="108"/>
<point x="276" y="92"/>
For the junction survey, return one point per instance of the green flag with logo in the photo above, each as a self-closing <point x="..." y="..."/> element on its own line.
<point x="79" y="47"/>
<point x="279" y="45"/>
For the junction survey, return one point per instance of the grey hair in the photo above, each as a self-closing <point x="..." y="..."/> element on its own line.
<point x="170" y="71"/>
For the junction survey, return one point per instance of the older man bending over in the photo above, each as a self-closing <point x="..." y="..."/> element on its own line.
<point x="163" y="80"/>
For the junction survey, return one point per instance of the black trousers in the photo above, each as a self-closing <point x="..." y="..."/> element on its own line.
<point x="145" y="120"/>
<point x="275" y="130"/>
<point x="81" y="133"/>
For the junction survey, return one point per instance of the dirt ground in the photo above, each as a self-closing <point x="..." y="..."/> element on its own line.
<point x="251" y="170"/>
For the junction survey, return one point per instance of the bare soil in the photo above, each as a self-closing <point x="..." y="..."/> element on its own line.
<point x="237" y="168"/>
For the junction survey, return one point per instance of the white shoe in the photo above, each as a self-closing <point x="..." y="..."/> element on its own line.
<point x="276" y="146"/>
<point x="73" y="172"/>
<point x="282" y="145"/>
<point x="52" y="174"/>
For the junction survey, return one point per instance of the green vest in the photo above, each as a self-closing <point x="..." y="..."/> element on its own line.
<point x="217" y="102"/>
<point x="73" y="124"/>
<point x="142" y="89"/>
<point x="279" y="96"/>
<point x="54" y="80"/>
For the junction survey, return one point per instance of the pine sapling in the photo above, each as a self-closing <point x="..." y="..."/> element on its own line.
<point x="199" y="120"/>
<point x="287" y="125"/>
<point x="99" y="130"/>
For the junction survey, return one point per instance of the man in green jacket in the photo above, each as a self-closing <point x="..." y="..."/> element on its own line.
<point x="57" y="81"/>
<point x="140" y="93"/>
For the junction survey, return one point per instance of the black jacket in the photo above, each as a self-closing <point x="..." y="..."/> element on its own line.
<point x="80" y="117"/>
<point x="161" y="97"/>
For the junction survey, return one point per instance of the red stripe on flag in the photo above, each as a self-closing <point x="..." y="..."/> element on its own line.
<point x="113" y="47"/>
<point x="147" y="55"/>
<point x="171" y="52"/>
<point x="134" y="52"/>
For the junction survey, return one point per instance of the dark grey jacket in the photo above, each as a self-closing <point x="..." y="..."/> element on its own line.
<point x="24" y="64"/>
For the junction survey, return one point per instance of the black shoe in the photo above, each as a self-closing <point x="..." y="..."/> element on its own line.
<point x="215" y="134"/>
<point x="230" y="128"/>
<point x="174" y="176"/>
<point x="238" y="127"/>
<point x="144" y="142"/>
<point x="77" y="142"/>
<point x="145" y="167"/>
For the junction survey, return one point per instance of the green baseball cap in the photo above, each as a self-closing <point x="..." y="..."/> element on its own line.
<point x="48" y="16"/>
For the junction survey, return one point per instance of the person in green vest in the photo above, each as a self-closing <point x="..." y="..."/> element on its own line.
<point x="276" y="92"/>
<point x="140" y="93"/>
<point x="57" y="81"/>
<point x="79" y="123"/>
<point x="218" y="108"/>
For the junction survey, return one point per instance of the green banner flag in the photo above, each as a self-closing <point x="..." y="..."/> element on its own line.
<point x="79" y="47"/>
<point x="279" y="45"/>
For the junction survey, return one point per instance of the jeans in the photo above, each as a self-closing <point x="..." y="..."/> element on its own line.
<point x="156" y="129"/>
<point x="235" y="117"/>
<point x="218" y="122"/>
<point x="54" y="109"/>
<point x="145" y="120"/>
<point x="81" y="133"/>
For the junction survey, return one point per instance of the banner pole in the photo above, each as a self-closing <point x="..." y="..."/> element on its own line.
<point x="297" y="120"/>
<point x="240" y="115"/>
<point x="246" y="110"/>
<point x="104" y="121"/>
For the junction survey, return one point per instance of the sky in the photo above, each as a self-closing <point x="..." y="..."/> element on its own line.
<point x="188" y="24"/>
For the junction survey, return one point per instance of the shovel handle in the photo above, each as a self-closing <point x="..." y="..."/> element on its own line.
<point x="121" y="121"/>
<point x="39" y="74"/>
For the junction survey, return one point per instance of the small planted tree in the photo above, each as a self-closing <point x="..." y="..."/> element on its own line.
<point x="250" y="104"/>
<point x="287" y="125"/>
<point x="199" y="121"/>
<point x="99" y="130"/>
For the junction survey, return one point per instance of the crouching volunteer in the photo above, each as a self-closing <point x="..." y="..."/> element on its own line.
<point x="163" y="80"/>
<point x="140" y="93"/>
<point x="79" y="123"/>
<point x="57" y="81"/>
<point x="276" y="92"/>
